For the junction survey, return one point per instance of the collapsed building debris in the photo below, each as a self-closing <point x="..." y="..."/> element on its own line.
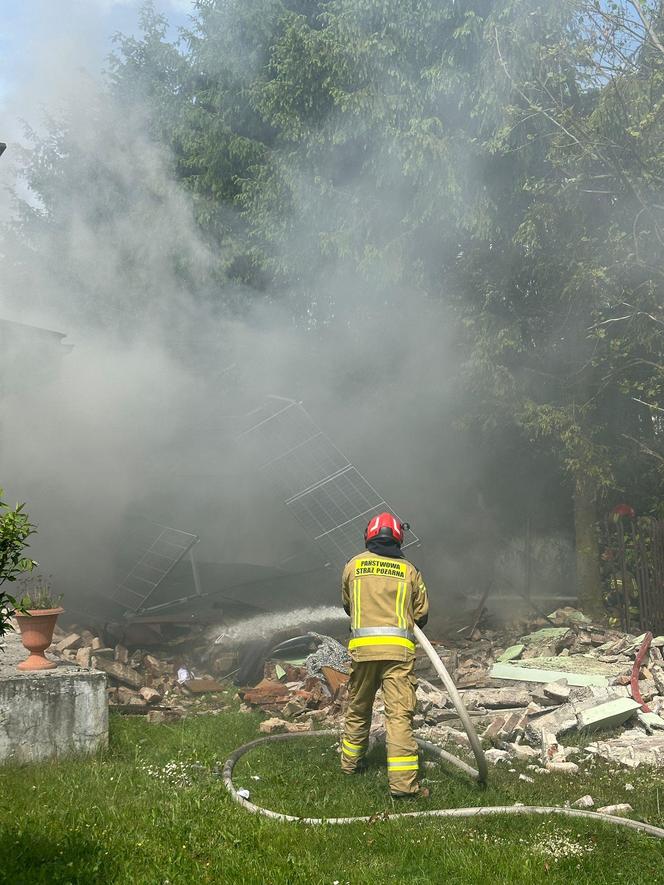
<point x="631" y="749"/>
<point x="180" y="677"/>
<point x="313" y="690"/>
<point x="142" y="682"/>
<point x="524" y="719"/>
<point x="585" y="688"/>
<point x="526" y="691"/>
<point x="575" y="677"/>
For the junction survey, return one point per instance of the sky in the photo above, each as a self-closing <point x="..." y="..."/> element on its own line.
<point x="37" y="43"/>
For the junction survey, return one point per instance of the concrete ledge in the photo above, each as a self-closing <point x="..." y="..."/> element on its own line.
<point x="51" y="713"/>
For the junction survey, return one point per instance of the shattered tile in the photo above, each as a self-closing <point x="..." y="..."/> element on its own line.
<point x="620" y="810"/>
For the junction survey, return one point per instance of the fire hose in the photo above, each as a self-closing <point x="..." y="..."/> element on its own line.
<point x="480" y="774"/>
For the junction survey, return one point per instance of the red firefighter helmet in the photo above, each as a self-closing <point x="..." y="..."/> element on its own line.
<point x="385" y="526"/>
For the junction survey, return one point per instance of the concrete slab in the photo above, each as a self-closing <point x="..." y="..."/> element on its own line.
<point x="559" y="691"/>
<point x="650" y="720"/>
<point x="546" y="634"/>
<point x="608" y="715"/>
<point x="632" y="748"/>
<point x="576" y="669"/>
<point x="49" y="713"/>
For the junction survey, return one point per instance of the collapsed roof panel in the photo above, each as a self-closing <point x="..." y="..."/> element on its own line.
<point x="168" y="548"/>
<point x="305" y="465"/>
<point x="333" y="502"/>
<point x="322" y="489"/>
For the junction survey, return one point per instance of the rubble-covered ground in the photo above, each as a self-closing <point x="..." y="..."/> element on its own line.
<point x="552" y="696"/>
<point x="528" y="688"/>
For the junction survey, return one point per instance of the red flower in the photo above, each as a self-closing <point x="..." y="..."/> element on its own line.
<point x="623" y="510"/>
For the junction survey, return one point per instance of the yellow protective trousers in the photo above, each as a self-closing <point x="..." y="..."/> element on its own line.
<point x="398" y="682"/>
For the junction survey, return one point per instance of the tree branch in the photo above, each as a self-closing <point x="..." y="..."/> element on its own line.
<point x="647" y="25"/>
<point x="645" y="448"/>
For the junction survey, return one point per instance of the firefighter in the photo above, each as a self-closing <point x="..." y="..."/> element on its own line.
<point x="384" y="595"/>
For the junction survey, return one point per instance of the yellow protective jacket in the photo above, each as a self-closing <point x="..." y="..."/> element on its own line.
<point x="384" y="597"/>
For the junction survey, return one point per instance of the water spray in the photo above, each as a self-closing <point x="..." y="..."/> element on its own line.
<point x="271" y="623"/>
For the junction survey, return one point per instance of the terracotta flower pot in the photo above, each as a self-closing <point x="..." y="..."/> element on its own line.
<point x="36" y="634"/>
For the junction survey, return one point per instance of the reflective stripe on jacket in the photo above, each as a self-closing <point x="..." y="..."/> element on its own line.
<point x="384" y="597"/>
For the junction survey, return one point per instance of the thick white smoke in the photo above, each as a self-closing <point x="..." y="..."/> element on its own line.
<point x="141" y="418"/>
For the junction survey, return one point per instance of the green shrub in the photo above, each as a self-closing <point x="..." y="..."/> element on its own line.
<point x="15" y="529"/>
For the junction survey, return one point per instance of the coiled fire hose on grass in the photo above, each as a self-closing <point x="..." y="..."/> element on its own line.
<point x="480" y="775"/>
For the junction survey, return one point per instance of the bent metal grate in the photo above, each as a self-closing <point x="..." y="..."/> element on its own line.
<point x="325" y="493"/>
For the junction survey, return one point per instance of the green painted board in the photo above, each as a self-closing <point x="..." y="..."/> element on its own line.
<point x="530" y="674"/>
<point x="576" y="664"/>
<point x="511" y="653"/>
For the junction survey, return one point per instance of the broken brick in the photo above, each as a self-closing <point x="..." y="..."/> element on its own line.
<point x="83" y="656"/>
<point x="494" y="728"/>
<point x="335" y="679"/>
<point x="270" y="726"/>
<point x="118" y="671"/>
<point x="150" y="695"/>
<point x="266" y="692"/>
<point x="70" y="641"/>
<point x="513" y="726"/>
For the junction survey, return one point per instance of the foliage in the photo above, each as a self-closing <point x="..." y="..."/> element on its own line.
<point x="39" y="596"/>
<point x="15" y="529"/>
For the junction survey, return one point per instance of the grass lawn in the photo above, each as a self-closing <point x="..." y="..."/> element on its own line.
<point x="152" y="811"/>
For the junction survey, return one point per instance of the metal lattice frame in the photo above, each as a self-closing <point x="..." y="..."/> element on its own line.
<point x="161" y="557"/>
<point x="317" y="482"/>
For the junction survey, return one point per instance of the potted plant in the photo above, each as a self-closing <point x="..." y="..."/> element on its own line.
<point x="36" y="614"/>
<point x="15" y="529"/>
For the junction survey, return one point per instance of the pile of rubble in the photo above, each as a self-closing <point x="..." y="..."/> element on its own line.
<point x="571" y="677"/>
<point x="566" y="676"/>
<point x="302" y="698"/>
<point x="157" y="684"/>
<point x="173" y="681"/>
<point x="525" y="691"/>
